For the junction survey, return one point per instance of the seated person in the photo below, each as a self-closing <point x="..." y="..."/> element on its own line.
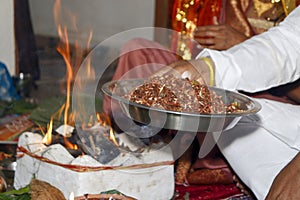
<point x="215" y="34"/>
<point x="263" y="149"/>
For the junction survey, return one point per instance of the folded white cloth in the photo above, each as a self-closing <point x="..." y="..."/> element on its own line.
<point x="260" y="145"/>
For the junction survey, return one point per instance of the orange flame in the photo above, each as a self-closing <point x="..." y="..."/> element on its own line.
<point x="72" y="62"/>
<point x="72" y="65"/>
<point x="112" y="137"/>
<point x="65" y="52"/>
<point x="64" y="49"/>
<point x="90" y="70"/>
<point x="48" y="137"/>
<point x="104" y="120"/>
<point x="69" y="145"/>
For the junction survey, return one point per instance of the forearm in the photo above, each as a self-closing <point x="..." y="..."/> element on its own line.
<point x="287" y="182"/>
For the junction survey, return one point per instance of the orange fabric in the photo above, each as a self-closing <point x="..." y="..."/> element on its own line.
<point x="211" y="9"/>
<point x="199" y="12"/>
<point x="247" y="16"/>
<point x="186" y="16"/>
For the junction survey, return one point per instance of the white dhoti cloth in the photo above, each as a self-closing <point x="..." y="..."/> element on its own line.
<point x="259" y="146"/>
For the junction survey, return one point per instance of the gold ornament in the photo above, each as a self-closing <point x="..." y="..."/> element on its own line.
<point x="262" y="7"/>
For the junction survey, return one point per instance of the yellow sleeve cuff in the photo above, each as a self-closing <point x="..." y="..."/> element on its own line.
<point x="209" y="63"/>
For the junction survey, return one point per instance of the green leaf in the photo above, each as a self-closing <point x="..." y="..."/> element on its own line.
<point x="20" y="194"/>
<point x="16" y="107"/>
<point x="16" y="197"/>
<point x="42" y="114"/>
<point x="112" y="192"/>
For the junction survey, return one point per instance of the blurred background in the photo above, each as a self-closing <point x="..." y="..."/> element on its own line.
<point x="30" y="29"/>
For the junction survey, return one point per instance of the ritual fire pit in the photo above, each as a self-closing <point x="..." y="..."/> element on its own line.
<point x="136" y="170"/>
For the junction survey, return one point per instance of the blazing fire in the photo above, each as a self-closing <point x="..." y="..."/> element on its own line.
<point x="65" y="52"/>
<point x="69" y="144"/>
<point x="48" y="136"/>
<point x="97" y="141"/>
<point x="112" y="137"/>
<point x="73" y="56"/>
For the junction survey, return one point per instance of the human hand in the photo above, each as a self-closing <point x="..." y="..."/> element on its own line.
<point x="294" y="93"/>
<point x="287" y="182"/>
<point x="218" y="37"/>
<point x="193" y="69"/>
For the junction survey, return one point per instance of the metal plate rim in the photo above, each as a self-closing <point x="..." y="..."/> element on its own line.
<point x="255" y="109"/>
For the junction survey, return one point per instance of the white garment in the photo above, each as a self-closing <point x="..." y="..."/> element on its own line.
<point x="266" y="60"/>
<point x="259" y="146"/>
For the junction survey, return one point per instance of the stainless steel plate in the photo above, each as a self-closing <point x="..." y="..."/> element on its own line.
<point x="179" y="120"/>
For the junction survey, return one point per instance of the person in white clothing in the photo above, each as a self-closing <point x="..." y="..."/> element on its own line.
<point x="263" y="149"/>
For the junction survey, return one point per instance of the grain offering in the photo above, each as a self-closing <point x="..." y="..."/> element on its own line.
<point x="180" y="95"/>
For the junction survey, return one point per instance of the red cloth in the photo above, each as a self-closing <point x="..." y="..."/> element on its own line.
<point x="208" y="192"/>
